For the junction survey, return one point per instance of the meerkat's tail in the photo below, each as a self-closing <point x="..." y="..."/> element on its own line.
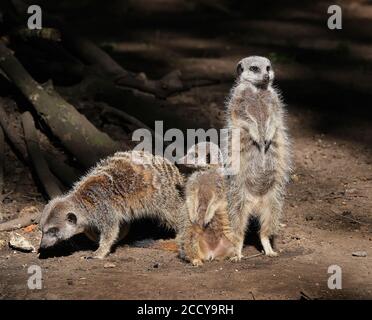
<point x="165" y="245"/>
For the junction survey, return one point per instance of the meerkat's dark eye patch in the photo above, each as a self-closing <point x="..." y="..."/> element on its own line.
<point x="239" y="69"/>
<point x="254" y="69"/>
<point x="52" y="231"/>
<point x="71" y="218"/>
<point x="256" y="144"/>
<point x="267" y="145"/>
<point x="268" y="68"/>
<point x="208" y="158"/>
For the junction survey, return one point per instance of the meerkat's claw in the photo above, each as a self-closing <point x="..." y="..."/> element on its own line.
<point x="93" y="256"/>
<point x="236" y="258"/>
<point x="99" y="254"/>
<point x="197" y="262"/>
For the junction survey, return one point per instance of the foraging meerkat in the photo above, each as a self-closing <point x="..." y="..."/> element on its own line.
<point x="256" y="109"/>
<point x="205" y="233"/>
<point x="121" y="188"/>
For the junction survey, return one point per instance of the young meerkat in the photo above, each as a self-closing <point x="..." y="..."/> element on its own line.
<point x="205" y="233"/>
<point x="257" y="189"/>
<point x="120" y="189"/>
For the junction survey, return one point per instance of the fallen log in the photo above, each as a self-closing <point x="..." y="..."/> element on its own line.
<point x="65" y="173"/>
<point x="2" y="160"/>
<point x="46" y="178"/>
<point x="76" y="133"/>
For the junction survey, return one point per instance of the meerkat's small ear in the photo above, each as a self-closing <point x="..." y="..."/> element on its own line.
<point x="71" y="218"/>
<point x="239" y="69"/>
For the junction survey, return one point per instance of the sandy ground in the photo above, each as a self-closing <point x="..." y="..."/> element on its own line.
<point x="327" y="212"/>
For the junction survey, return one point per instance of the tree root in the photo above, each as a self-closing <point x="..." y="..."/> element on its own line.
<point x="48" y="181"/>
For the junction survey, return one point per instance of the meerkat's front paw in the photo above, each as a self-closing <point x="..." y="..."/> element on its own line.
<point x="271" y="253"/>
<point x="236" y="258"/>
<point x="100" y="254"/>
<point x="197" y="262"/>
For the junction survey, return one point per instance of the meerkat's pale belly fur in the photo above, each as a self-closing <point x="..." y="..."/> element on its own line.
<point x="205" y="233"/>
<point x="258" y="187"/>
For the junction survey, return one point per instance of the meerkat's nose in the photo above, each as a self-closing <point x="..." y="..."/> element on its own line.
<point x="266" y="77"/>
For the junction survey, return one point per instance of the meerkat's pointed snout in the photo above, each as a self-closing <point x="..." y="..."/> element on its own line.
<point x="49" y="239"/>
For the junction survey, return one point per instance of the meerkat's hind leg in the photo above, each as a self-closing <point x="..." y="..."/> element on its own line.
<point x="236" y="251"/>
<point x="239" y="221"/>
<point x="269" y="216"/>
<point x="267" y="221"/>
<point x="265" y="241"/>
<point x="191" y="246"/>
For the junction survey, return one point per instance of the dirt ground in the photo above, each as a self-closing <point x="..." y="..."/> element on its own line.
<point x="324" y="78"/>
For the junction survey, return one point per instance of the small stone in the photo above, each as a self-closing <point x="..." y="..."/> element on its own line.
<point x="350" y="191"/>
<point x="156" y="265"/>
<point x="359" y="254"/>
<point x="309" y="217"/>
<point x="3" y="243"/>
<point x="18" y="242"/>
<point x="109" y="265"/>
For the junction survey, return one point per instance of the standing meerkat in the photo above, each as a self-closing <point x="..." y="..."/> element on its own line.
<point x="120" y="189"/>
<point x="205" y="233"/>
<point x="257" y="189"/>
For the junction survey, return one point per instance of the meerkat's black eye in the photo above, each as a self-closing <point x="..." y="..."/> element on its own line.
<point x="268" y="68"/>
<point x="239" y="69"/>
<point x="254" y="69"/>
<point x="53" y="231"/>
<point x="71" y="218"/>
